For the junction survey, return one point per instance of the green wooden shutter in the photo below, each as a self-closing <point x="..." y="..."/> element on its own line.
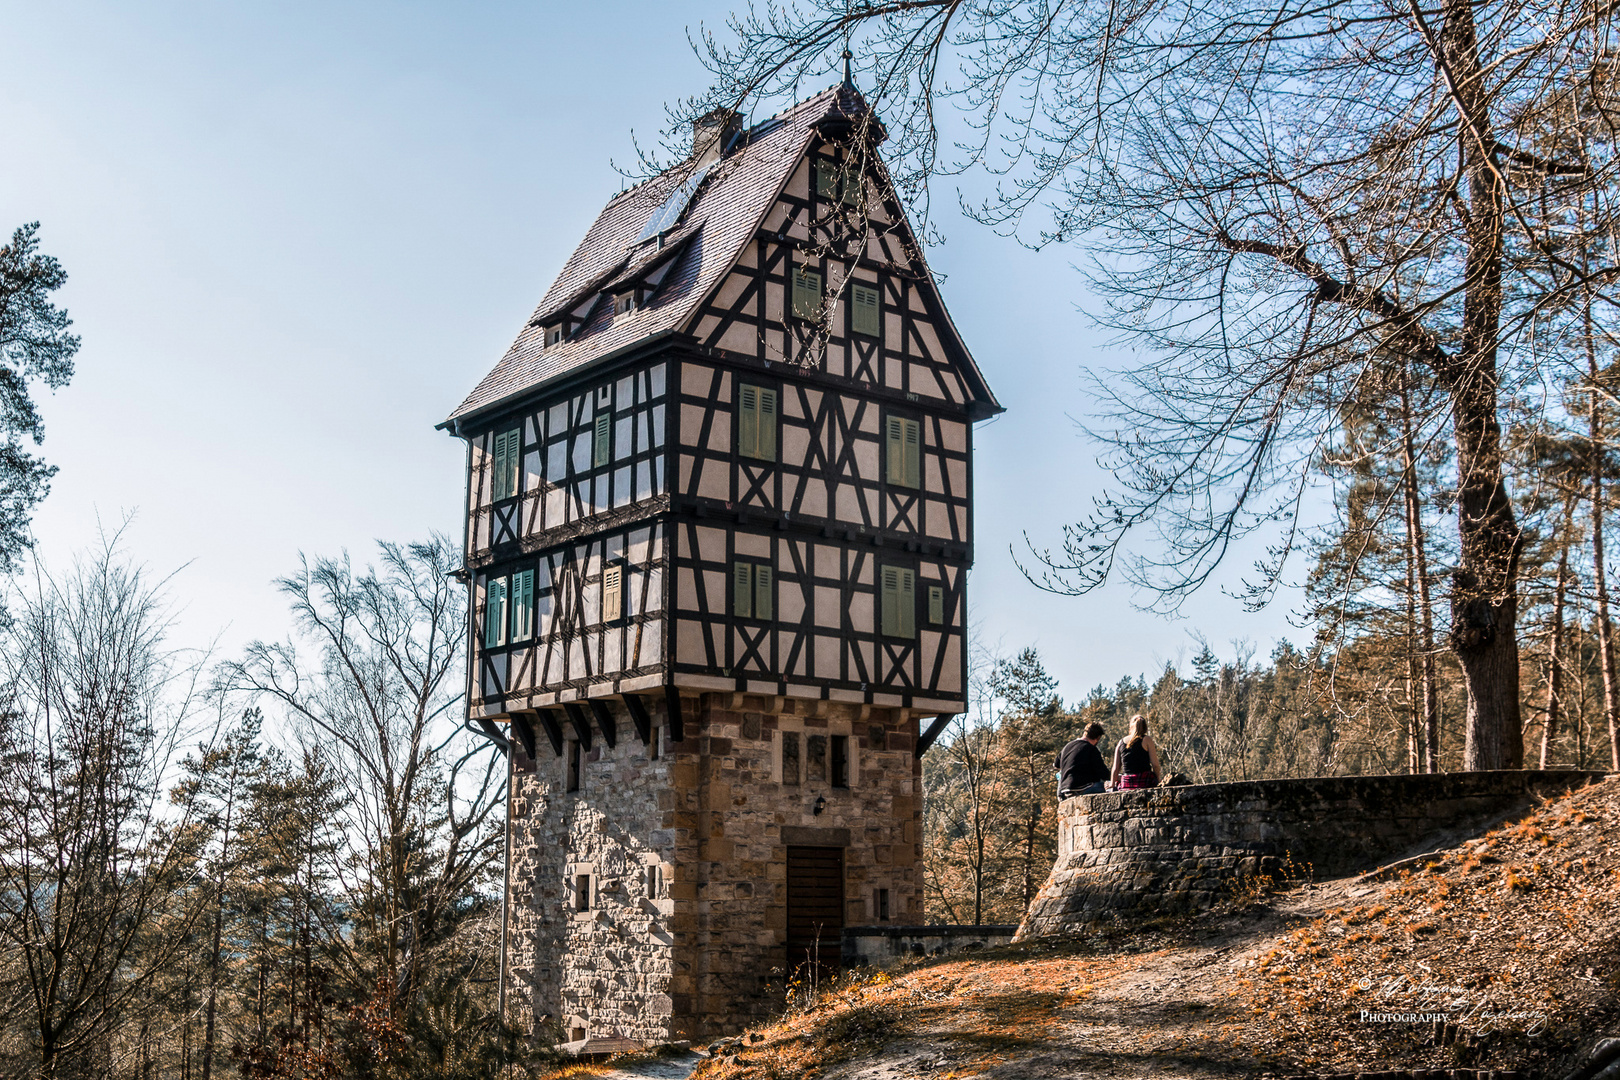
<point x="494" y="613"/>
<point x="906" y="599"/>
<point x="936" y="604"/>
<point x="894" y="449"/>
<point x="889" y="606"/>
<point x="864" y="310"/>
<point x="748" y="421"/>
<point x="913" y="455"/>
<point x="742" y="590"/>
<point x="850" y="188"/>
<point x="522" y="605"/>
<point x="767" y="425"/>
<point x="602" y="452"/>
<point x="806" y="294"/>
<point x="505" y="452"/>
<point x="826" y="179"/>
<point x="763" y="605"/>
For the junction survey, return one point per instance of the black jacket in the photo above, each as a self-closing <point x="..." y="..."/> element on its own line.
<point x="1080" y="765"/>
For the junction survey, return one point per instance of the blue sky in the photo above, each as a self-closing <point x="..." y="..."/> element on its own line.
<point x="297" y="234"/>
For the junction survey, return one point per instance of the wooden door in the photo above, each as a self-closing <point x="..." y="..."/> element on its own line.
<point x="815" y="910"/>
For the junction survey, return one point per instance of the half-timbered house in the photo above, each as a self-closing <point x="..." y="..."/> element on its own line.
<point x="718" y="528"/>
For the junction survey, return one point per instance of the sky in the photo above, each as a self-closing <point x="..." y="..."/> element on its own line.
<point x="298" y="234"/>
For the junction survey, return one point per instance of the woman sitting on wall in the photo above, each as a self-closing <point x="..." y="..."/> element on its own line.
<point x="1136" y="759"/>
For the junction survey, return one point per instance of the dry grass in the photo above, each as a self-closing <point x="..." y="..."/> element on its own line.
<point x="1522" y="930"/>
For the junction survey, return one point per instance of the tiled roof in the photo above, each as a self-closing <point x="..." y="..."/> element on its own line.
<point x="724" y="214"/>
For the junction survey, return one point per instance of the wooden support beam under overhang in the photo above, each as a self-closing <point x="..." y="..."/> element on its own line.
<point x="524" y="731"/>
<point x="639" y="717"/>
<point x="605" y="721"/>
<point x="552" y="727"/>
<point x="672" y="702"/>
<point x="582" y="724"/>
<point x="926" y="739"/>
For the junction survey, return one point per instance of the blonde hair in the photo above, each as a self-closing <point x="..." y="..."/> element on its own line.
<point x="1138" y="730"/>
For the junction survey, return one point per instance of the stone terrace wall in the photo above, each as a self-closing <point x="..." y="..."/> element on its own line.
<point x="1185" y="848"/>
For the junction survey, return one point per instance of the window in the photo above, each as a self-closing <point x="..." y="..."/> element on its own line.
<point x="572" y="755"/>
<point x="624" y="305"/>
<point x="751" y="592"/>
<point x="756" y="422"/>
<point x="612" y="593"/>
<point x="840" y="761"/>
<point x="838" y="181"/>
<point x="653" y="737"/>
<point x="495" y="613"/>
<point x="883" y="905"/>
<point x="902" y="443"/>
<point x="522" y="604"/>
<point x="806" y="294"/>
<point x="508" y="446"/>
<point x="582" y="892"/>
<point x="936" y="605"/>
<point x="655" y="882"/>
<point x="790" y="758"/>
<point x="554" y="335"/>
<point x="899" y="605"/>
<point x="863" y="315"/>
<point x="601" y="446"/>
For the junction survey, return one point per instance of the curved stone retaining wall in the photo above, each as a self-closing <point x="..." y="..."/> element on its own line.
<point x="1185" y="848"/>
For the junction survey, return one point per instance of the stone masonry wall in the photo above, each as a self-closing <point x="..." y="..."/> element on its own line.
<point x="1185" y="848"/>
<point x="712" y="817"/>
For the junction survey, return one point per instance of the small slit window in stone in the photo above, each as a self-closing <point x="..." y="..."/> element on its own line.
<point x="653" y="737"/>
<point x="790" y="758"/>
<point x="582" y="892"/>
<point x="883" y="905"/>
<point x="840" y="761"/>
<point x="573" y="758"/>
<point x="655" y="882"/>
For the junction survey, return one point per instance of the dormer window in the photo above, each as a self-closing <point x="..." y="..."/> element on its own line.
<point x="554" y="334"/>
<point x="624" y="305"/>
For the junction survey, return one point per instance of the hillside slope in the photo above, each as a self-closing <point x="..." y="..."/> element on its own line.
<point x="1503" y="953"/>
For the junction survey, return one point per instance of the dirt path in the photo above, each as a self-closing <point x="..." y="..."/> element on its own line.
<point x="674" y="1067"/>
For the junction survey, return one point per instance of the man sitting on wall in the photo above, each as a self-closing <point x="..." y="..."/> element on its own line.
<point x="1081" y="770"/>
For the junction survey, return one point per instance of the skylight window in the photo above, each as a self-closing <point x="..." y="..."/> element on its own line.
<point x="664" y="218"/>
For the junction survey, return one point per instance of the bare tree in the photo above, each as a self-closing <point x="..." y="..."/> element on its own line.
<point x="373" y="696"/>
<point x="1279" y="195"/>
<point x="96" y="869"/>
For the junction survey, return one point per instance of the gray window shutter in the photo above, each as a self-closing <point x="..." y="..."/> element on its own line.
<point x="612" y="593"/>
<point x="742" y="590"/>
<point x="894" y="449"/>
<point x="604" y="431"/>
<point x="806" y="294"/>
<point x="889" y="583"/>
<point x="864" y="310"/>
<point x="936" y="604"/>
<point x="767" y="425"/>
<point x="906" y="600"/>
<point x="826" y="178"/>
<point x="763" y="605"/>
<point x="913" y="456"/>
<point x="748" y="421"/>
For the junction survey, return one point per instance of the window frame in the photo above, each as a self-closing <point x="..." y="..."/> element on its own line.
<point x="755" y="449"/>
<point x="497" y="591"/>
<point x="902" y="471"/>
<point x="809" y="312"/>
<point x="750" y="594"/>
<point x="856" y="307"/>
<point x="905" y="621"/>
<point x="506" y="463"/>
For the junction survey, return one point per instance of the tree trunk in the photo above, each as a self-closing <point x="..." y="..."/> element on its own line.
<point x="1484" y="597"/>
<point x="1555" y="642"/>
<point x="1605" y="629"/>
<point x="1418" y="582"/>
